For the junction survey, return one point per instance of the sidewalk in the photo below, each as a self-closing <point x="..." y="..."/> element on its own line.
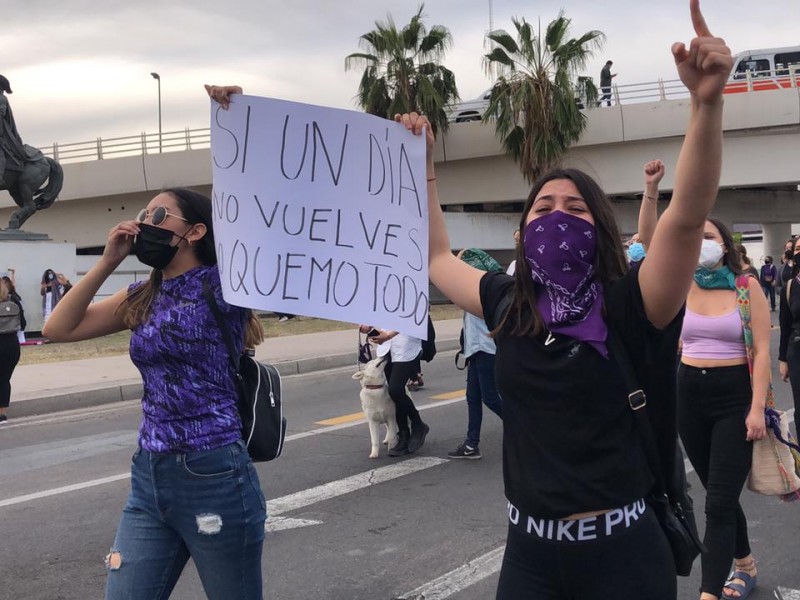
<point x="51" y="387"/>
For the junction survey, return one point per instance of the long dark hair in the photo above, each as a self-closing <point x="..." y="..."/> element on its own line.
<point x="609" y="262"/>
<point x="733" y="257"/>
<point x="795" y="261"/>
<point x="195" y="208"/>
<point x="9" y="284"/>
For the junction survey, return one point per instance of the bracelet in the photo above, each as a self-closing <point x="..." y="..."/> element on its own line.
<point x="432" y="179"/>
<point x="646" y="197"/>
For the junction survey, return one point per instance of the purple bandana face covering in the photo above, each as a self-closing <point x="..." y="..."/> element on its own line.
<point x="560" y="250"/>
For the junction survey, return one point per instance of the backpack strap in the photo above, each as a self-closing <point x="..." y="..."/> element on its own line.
<point x="637" y="402"/>
<point x="500" y="310"/>
<point x="233" y="356"/>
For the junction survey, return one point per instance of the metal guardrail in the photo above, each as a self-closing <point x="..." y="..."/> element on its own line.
<point x="191" y="139"/>
<point x="134" y="145"/>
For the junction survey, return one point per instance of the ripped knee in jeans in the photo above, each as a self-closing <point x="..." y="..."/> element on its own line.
<point x="113" y="560"/>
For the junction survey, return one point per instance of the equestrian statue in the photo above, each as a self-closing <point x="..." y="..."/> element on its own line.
<point x="24" y="169"/>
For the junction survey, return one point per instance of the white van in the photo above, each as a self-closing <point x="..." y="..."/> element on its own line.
<point x="470" y="110"/>
<point x="767" y="69"/>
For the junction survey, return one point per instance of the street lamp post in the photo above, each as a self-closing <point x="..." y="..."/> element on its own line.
<point x="157" y="77"/>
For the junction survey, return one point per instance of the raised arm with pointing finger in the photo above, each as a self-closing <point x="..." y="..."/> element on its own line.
<point x="561" y="326"/>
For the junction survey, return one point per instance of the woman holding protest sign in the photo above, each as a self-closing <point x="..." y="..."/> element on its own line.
<point x="573" y="315"/>
<point x="194" y="491"/>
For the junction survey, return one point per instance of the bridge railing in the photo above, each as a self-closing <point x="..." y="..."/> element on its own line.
<point x="190" y="139"/>
<point x="133" y="145"/>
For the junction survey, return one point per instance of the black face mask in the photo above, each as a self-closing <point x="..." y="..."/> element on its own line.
<point x="152" y="246"/>
<point x="788" y="255"/>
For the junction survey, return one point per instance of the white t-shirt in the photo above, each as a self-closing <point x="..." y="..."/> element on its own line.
<point x="512" y="267"/>
<point x="403" y="348"/>
<point x="48" y="305"/>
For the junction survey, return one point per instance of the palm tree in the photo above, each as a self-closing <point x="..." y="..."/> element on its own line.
<point x="534" y="100"/>
<point x="402" y="71"/>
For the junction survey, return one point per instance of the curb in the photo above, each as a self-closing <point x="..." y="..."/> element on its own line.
<point x="124" y="391"/>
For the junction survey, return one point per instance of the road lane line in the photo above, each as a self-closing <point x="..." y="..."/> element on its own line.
<point x="457" y="395"/>
<point x="460" y="394"/>
<point x="59" y="452"/>
<point x="95" y="482"/>
<point x="343" y="419"/>
<point x="274" y="524"/>
<point x="64" y="490"/>
<point x="331" y="428"/>
<point x="458" y="579"/>
<point x="787" y="594"/>
<point x="330" y="490"/>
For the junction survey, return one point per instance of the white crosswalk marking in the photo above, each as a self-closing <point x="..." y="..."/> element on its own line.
<point x="340" y="487"/>
<point x="326" y="491"/>
<point x="787" y="594"/>
<point x="283" y="523"/>
<point x="458" y="579"/>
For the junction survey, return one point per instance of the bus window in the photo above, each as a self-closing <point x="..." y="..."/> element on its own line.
<point x="785" y="60"/>
<point x="757" y="67"/>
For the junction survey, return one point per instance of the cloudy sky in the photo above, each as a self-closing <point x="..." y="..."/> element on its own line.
<point x="80" y="69"/>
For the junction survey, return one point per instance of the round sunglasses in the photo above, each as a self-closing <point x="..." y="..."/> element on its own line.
<point x="158" y="216"/>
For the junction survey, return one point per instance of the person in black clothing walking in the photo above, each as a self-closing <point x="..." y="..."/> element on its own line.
<point x="767" y="279"/>
<point x="789" y="318"/>
<point x="605" y="83"/>
<point x="9" y="346"/>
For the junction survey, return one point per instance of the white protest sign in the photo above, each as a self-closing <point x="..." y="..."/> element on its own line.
<point x="320" y="212"/>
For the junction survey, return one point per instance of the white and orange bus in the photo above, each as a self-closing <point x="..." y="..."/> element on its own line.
<point x="767" y="69"/>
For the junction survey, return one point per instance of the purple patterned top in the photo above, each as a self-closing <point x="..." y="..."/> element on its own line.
<point x="189" y="400"/>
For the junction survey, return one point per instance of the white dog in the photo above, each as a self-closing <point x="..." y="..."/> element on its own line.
<point x="376" y="404"/>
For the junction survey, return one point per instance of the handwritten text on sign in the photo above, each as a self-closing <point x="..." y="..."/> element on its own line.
<point x="320" y="212"/>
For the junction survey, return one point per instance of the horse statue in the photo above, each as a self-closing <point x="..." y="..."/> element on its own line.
<point x="28" y="190"/>
<point x="24" y="169"/>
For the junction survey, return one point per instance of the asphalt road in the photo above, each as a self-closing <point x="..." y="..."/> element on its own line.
<point x="344" y="527"/>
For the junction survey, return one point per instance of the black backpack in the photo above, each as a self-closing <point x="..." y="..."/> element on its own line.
<point x="259" y="387"/>
<point x="429" y="345"/>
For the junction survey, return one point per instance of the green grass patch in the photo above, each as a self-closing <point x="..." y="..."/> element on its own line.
<point x="117" y="343"/>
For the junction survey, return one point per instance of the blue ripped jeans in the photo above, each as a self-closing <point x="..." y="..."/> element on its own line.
<point x="206" y="505"/>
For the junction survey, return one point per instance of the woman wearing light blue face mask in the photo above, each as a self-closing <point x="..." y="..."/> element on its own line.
<point x="720" y="410"/>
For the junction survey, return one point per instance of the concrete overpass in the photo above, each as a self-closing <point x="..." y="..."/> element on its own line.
<point x="110" y="180"/>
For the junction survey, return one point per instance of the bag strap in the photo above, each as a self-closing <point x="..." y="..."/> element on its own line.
<point x="743" y="302"/>
<point x="500" y="310"/>
<point x="772" y="417"/>
<point x="233" y="356"/>
<point x="638" y="401"/>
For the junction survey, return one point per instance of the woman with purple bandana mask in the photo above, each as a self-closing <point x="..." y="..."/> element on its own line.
<point x="194" y="491"/>
<point x="574" y="469"/>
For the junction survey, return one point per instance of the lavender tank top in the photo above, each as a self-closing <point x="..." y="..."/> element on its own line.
<point x="189" y="400"/>
<point x="715" y="338"/>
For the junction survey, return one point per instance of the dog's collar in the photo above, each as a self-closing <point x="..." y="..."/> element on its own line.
<point x="374" y="387"/>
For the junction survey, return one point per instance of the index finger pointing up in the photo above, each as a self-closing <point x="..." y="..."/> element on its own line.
<point x="699" y="22"/>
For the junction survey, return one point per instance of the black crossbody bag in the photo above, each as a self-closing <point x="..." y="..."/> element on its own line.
<point x="680" y="531"/>
<point x="259" y="392"/>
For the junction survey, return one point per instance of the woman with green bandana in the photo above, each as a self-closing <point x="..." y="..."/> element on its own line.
<point x="720" y="410"/>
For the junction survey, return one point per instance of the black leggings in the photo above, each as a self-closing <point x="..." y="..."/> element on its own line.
<point x="712" y="408"/>
<point x="637" y="563"/>
<point x="9" y="357"/>
<point x="398" y="374"/>
<point x="793" y="360"/>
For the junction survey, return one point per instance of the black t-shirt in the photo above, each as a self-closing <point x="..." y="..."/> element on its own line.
<point x="570" y="443"/>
